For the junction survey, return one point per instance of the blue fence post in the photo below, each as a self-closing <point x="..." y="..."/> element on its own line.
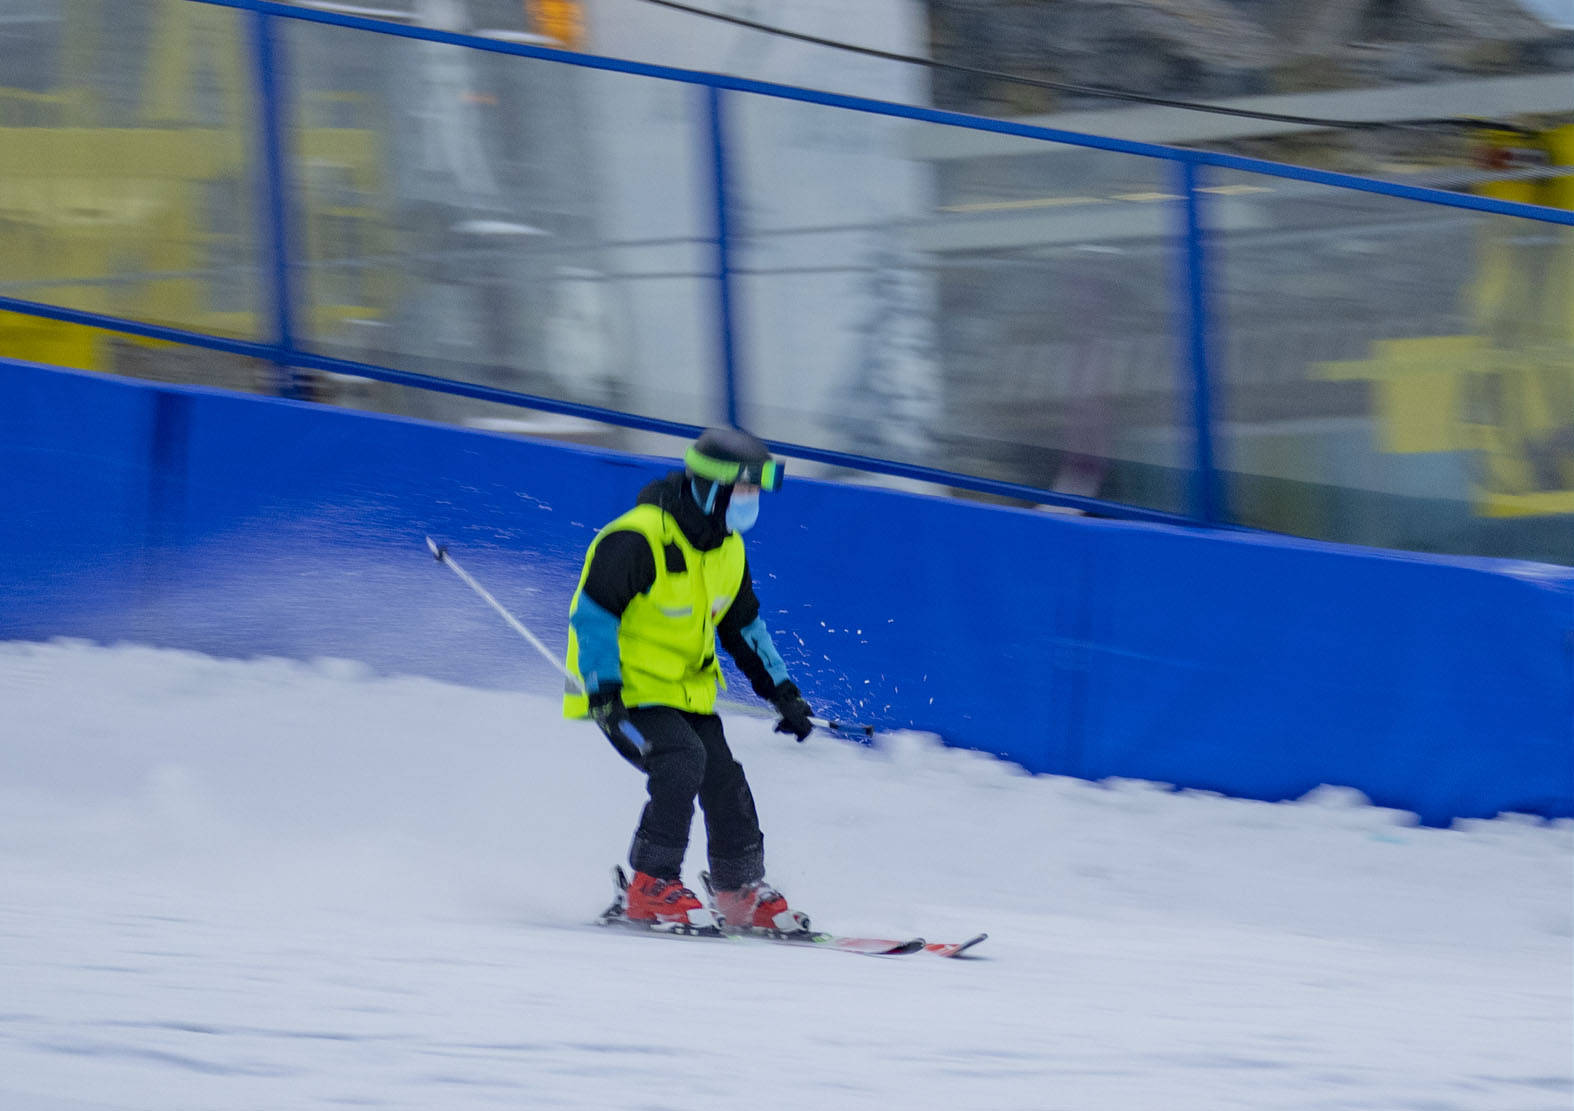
<point x="721" y="196"/>
<point x="1207" y="498"/>
<point x="273" y="192"/>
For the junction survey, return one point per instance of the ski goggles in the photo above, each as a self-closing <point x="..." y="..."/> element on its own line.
<point x="767" y="474"/>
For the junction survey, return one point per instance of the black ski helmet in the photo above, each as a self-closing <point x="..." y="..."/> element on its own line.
<point x="723" y="457"/>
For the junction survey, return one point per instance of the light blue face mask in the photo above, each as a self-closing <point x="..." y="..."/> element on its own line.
<point x="742" y="511"/>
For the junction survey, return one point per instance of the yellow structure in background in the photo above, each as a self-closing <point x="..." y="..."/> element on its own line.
<point x="130" y="188"/>
<point x="563" y="20"/>
<point x="1506" y="393"/>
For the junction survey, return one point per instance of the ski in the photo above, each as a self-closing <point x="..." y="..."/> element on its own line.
<point x="868" y="946"/>
<point x="615" y="917"/>
<point x="620" y="921"/>
<point x="882" y="946"/>
<point x="803" y="935"/>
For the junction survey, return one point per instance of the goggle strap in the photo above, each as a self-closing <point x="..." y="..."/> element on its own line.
<point x="767" y="475"/>
<point x="717" y="470"/>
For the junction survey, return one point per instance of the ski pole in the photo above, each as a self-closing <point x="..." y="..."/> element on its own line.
<point x="440" y="553"/>
<point x="843" y="726"/>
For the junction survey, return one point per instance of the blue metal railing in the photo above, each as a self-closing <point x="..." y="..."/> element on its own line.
<point x="275" y="197"/>
<point x="1206" y="497"/>
<point x="1193" y="308"/>
<point x="716" y="136"/>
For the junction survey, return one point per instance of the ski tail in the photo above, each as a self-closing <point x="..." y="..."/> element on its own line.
<point x="620" y="887"/>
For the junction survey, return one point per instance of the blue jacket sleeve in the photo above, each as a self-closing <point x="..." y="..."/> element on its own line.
<point x="747" y="640"/>
<point x="597" y="632"/>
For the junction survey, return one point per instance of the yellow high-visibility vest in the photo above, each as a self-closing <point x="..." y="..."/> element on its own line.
<point x="667" y="637"/>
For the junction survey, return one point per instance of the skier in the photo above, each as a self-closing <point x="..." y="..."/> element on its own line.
<point x="661" y="583"/>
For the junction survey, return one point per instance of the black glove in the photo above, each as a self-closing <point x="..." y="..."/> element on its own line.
<point x="612" y="718"/>
<point x="794" y="710"/>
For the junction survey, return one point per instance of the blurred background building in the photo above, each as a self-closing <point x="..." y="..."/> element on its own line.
<point x="1376" y="364"/>
<point x="1389" y="373"/>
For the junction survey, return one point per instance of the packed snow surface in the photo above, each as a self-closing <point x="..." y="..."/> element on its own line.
<point x="236" y="885"/>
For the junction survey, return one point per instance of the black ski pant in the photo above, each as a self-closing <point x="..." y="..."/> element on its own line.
<point x="687" y="758"/>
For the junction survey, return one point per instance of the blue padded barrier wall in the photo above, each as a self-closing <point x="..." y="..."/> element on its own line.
<point x="1242" y="663"/>
<point x="75" y="485"/>
<point x="1263" y="666"/>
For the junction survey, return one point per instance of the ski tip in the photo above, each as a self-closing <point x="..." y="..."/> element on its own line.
<point x="954" y="949"/>
<point x="438" y="550"/>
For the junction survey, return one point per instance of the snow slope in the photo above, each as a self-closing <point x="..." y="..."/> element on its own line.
<point x="271" y="885"/>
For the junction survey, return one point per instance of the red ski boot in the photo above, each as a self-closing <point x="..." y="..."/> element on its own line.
<point x="758" y="906"/>
<point x="665" y="904"/>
